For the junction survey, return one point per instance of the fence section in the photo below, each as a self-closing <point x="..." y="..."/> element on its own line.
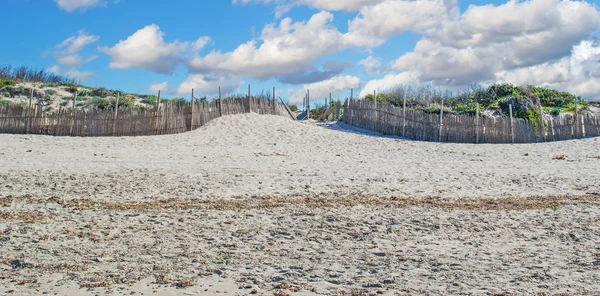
<point x="418" y="125"/>
<point x="132" y="121"/>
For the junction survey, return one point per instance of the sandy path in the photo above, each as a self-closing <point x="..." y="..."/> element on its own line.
<point x="253" y="155"/>
<point x="263" y="202"/>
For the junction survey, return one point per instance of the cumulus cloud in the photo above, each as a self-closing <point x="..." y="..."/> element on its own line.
<point x="281" y="49"/>
<point x="320" y="90"/>
<point x="375" y="23"/>
<point x="372" y="65"/>
<point x="147" y="49"/>
<point x="71" y="5"/>
<point x="512" y="41"/>
<point x="329" y="70"/>
<point x="74" y="60"/>
<point x="207" y="85"/>
<point x="284" y="6"/>
<point x="68" y="53"/>
<point x="578" y="73"/>
<point x="389" y="81"/>
<point x="72" y="72"/>
<point x="77" y="42"/>
<point x="163" y="87"/>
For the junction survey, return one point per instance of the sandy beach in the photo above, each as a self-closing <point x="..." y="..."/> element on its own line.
<point x="257" y="204"/>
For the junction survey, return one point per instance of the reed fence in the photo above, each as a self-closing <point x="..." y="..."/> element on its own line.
<point x="418" y="125"/>
<point x="165" y="118"/>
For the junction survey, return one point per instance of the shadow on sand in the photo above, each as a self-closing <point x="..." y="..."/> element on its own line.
<point x="343" y="127"/>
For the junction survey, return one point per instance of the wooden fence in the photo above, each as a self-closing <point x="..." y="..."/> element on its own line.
<point x="166" y="118"/>
<point x="418" y="125"/>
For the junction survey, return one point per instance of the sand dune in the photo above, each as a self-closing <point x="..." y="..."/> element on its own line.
<point x="262" y="202"/>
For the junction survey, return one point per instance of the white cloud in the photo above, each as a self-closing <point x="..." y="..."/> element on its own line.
<point x="489" y="39"/>
<point x="578" y="73"/>
<point x="71" y="5"/>
<point x="283" y="49"/>
<point x="321" y="90"/>
<point x="147" y="49"/>
<point x="162" y="87"/>
<point x="67" y="53"/>
<point x="389" y="81"/>
<point x="71" y="60"/>
<point x="347" y="5"/>
<point x="284" y="6"/>
<point x="76" y="43"/>
<point x="72" y="72"/>
<point x="372" y="65"/>
<point x="207" y="85"/>
<point x="200" y="43"/>
<point x="74" y="60"/>
<point x="375" y="23"/>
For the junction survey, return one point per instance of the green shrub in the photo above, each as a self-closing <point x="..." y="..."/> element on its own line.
<point x="381" y="97"/>
<point x="317" y="112"/>
<point x="98" y="102"/>
<point x="554" y="111"/>
<point x="293" y="108"/>
<point x="149" y="99"/>
<point x="178" y="100"/>
<point x="572" y="107"/>
<point x="6" y="102"/>
<point x="126" y="101"/>
<point x="6" y="82"/>
<point x="82" y="99"/>
<point x="103" y="92"/>
<point x="70" y="87"/>
<point x="84" y="93"/>
<point x="50" y="92"/>
<point x="435" y="109"/>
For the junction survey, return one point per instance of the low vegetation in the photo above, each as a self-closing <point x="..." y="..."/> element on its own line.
<point x="493" y="100"/>
<point x="26" y="74"/>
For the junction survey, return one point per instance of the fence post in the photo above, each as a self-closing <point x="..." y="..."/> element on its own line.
<point x="220" y="104"/>
<point x="542" y="127"/>
<point x="249" y="100"/>
<point x="404" y="117"/>
<point x="157" y="116"/>
<point x="308" y="103"/>
<point x="441" y="121"/>
<point x="477" y="125"/>
<point x="274" y="103"/>
<point x="75" y="100"/>
<point x="28" y="122"/>
<point x="512" y="130"/>
<point x="116" y="116"/>
<point x="375" y="110"/>
<point x="573" y="123"/>
<point x="192" y="119"/>
<point x="582" y="126"/>
<point x="74" y="122"/>
<point x="304" y="103"/>
<point x="551" y="129"/>
<point x="329" y="106"/>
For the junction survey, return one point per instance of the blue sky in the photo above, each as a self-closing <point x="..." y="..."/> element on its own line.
<point x="295" y="45"/>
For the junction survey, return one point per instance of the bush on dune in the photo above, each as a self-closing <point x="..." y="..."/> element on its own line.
<point x="495" y="97"/>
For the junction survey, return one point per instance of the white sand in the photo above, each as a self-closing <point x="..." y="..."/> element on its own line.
<point x="294" y="246"/>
